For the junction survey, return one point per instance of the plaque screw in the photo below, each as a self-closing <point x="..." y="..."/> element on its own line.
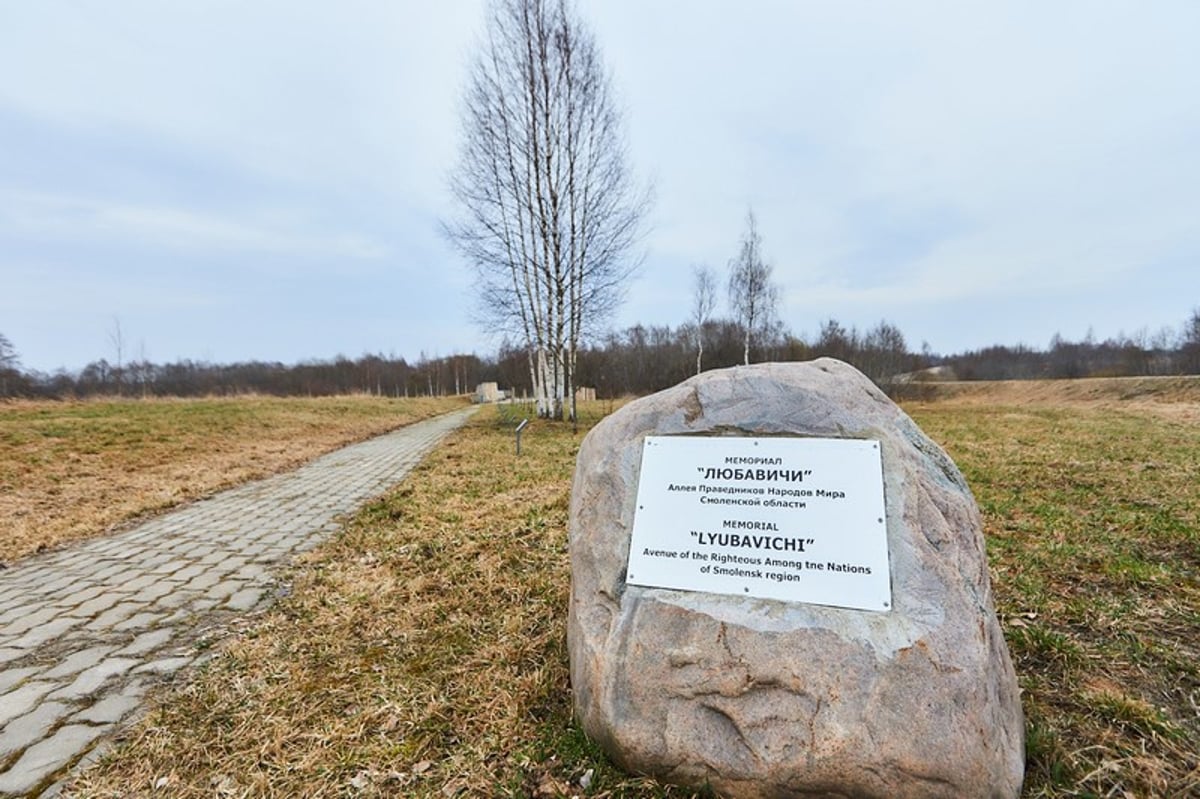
<point x="881" y="521"/>
<point x="747" y="590"/>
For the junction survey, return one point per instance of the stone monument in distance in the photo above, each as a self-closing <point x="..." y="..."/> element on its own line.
<point x="779" y="588"/>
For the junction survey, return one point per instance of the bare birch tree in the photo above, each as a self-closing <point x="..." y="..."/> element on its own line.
<point x="704" y="302"/>
<point x="1189" y="345"/>
<point x="548" y="212"/>
<point x="8" y="354"/>
<point x="116" y="337"/>
<point x="753" y="296"/>
<point x="10" y="365"/>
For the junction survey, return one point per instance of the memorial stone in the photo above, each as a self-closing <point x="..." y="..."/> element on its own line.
<point x="779" y="589"/>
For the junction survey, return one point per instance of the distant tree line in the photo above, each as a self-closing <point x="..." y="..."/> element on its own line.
<point x="369" y="374"/>
<point x="637" y="360"/>
<point x="642" y="359"/>
<point x="1140" y="354"/>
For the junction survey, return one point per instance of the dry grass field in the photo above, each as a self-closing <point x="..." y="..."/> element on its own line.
<point x="1170" y="395"/>
<point x="422" y="652"/>
<point x="1092" y="513"/>
<point x="71" y="470"/>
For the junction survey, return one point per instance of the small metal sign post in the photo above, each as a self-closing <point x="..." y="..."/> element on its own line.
<point x="520" y="427"/>
<point x="793" y="519"/>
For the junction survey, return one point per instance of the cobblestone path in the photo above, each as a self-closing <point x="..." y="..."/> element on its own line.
<point x="86" y="631"/>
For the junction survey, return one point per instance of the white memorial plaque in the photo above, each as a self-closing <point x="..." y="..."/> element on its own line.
<point x="796" y="519"/>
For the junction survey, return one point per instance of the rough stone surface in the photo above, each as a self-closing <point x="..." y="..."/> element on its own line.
<point x="761" y="698"/>
<point x="41" y="760"/>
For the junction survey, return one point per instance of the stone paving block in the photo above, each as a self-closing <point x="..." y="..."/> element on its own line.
<point x="202" y="604"/>
<point x="169" y="566"/>
<point x="20" y="701"/>
<point x="106" y="572"/>
<point x="112" y="708"/>
<point x="30" y="728"/>
<point x="164" y="666"/>
<point x="9" y="596"/>
<point x="78" y="661"/>
<point x="214" y="558"/>
<point x="42" y="760"/>
<point x="55" y="587"/>
<point x="11" y="678"/>
<point x="83" y="593"/>
<point x="188" y="572"/>
<point x="178" y="617"/>
<point x="73" y="560"/>
<point x="150" y="593"/>
<point x="121" y="580"/>
<point x="95" y="605"/>
<point x="25" y="582"/>
<point x="114" y="615"/>
<point x="148" y="641"/>
<point x="156" y="559"/>
<point x="140" y="582"/>
<point x="224" y="588"/>
<point x="139" y="621"/>
<point x="225" y="569"/>
<point x="181" y="544"/>
<point x="176" y="599"/>
<point x="203" y="582"/>
<point x="28" y="620"/>
<point x="251" y="571"/>
<point x="199" y="550"/>
<point x="279" y="552"/>
<point x="245" y="599"/>
<point x="89" y="681"/>
<point x="45" y="632"/>
<point x="7" y="654"/>
<point x="105" y="546"/>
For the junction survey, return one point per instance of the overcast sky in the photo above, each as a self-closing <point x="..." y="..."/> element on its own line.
<point x="239" y="180"/>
